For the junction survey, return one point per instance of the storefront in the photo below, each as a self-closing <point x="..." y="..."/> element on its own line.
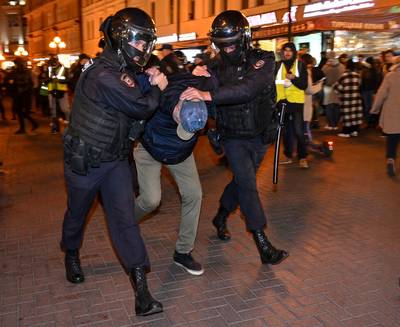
<point x="351" y="26"/>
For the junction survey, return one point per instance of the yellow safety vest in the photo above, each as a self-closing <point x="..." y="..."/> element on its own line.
<point x="292" y="93"/>
<point x="59" y="81"/>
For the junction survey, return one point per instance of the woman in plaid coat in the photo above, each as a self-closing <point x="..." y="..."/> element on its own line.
<point x="348" y="89"/>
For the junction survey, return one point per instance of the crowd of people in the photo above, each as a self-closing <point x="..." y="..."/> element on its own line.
<point x="127" y="94"/>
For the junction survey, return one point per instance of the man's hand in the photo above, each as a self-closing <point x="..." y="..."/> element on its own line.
<point x="152" y="71"/>
<point x="160" y="80"/>
<point x="201" y="71"/>
<point x="194" y="94"/>
<point x="290" y="76"/>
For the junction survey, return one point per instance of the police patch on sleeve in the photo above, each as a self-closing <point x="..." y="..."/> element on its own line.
<point x="127" y="80"/>
<point x="259" y="64"/>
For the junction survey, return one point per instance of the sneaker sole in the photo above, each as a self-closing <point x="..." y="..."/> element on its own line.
<point x="190" y="271"/>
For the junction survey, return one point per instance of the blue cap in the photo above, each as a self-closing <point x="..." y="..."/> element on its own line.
<point x="193" y="117"/>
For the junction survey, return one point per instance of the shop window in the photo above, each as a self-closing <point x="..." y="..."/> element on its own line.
<point x="245" y="4"/>
<point x="192" y="6"/>
<point x="211" y="7"/>
<point x="171" y="11"/>
<point x="224" y="5"/>
<point x="100" y="22"/>
<point x="153" y="10"/>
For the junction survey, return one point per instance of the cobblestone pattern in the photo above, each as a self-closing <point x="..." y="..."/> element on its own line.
<point x="339" y="220"/>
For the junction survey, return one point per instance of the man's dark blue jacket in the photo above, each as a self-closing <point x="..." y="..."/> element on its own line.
<point x="159" y="137"/>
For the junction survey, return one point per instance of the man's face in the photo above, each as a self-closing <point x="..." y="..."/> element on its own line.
<point x="229" y="49"/>
<point x="139" y="45"/>
<point x="287" y="53"/>
<point x="389" y="58"/>
<point x="165" y="52"/>
<point x="198" y="61"/>
<point x="84" y="61"/>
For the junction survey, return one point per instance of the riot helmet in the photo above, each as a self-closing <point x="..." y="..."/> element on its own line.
<point x="132" y="34"/>
<point x="231" y="28"/>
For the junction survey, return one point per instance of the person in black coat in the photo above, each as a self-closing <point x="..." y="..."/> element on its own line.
<point x="20" y="88"/>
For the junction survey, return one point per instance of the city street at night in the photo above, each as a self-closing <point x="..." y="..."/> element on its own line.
<point x="339" y="220"/>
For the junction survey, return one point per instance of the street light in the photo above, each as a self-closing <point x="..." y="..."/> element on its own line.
<point x="20" y="52"/>
<point x="16" y="3"/>
<point x="57" y="44"/>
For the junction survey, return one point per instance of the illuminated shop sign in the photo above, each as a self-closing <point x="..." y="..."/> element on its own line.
<point x="174" y="37"/>
<point x="293" y="12"/>
<point x="263" y="19"/>
<point x="272" y="18"/>
<point x="335" y="7"/>
<point x="355" y="26"/>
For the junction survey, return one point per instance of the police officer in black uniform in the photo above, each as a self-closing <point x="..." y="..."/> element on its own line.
<point x="245" y="101"/>
<point x="108" y="101"/>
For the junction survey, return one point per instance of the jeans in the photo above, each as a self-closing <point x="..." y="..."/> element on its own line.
<point x="333" y="114"/>
<point x="244" y="157"/>
<point x="294" y="128"/>
<point x="392" y="141"/>
<point x="188" y="181"/>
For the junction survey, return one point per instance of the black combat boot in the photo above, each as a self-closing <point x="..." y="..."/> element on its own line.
<point x="219" y="223"/>
<point x="268" y="253"/>
<point x="73" y="268"/>
<point x="145" y="304"/>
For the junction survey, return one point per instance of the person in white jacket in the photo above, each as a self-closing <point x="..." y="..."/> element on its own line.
<point x="387" y="100"/>
<point x="312" y="88"/>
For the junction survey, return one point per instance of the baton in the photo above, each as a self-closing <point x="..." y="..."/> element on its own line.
<point x="281" y="114"/>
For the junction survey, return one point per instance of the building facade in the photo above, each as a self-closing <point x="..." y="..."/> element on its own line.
<point x="185" y="23"/>
<point x="49" y="18"/>
<point x="12" y="28"/>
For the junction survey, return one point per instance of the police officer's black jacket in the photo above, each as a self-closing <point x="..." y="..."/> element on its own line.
<point x="159" y="137"/>
<point x="107" y="99"/>
<point x="245" y="96"/>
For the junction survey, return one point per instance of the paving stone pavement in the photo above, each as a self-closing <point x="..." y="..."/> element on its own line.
<point x="340" y="220"/>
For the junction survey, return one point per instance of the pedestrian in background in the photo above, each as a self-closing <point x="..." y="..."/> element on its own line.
<point x="20" y="86"/>
<point x="291" y="82"/>
<point x="333" y="70"/>
<point x="348" y="89"/>
<point x="387" y="101"/>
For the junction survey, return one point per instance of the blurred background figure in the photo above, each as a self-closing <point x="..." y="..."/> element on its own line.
<point x="2" y="79"/>
<point x="389" y="59"/>
<point x="76" y="70"/>
<point x="165" y="50"/>
<point x="371" y="79"/>
<point x="333" y="70"/>
<point x="348" y="89"/>
<point x="20" y="90"/>
<point x="58" y="93"/>
<point x="387" y="101"/>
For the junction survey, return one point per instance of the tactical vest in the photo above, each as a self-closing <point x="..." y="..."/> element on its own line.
<point x="245" y="120"/>
<point x="292" y="93"/>
<point x="103" y="132"/>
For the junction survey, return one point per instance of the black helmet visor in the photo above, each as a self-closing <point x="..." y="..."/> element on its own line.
<point x="141" y="45"/>
<point x="223" y="41"/>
